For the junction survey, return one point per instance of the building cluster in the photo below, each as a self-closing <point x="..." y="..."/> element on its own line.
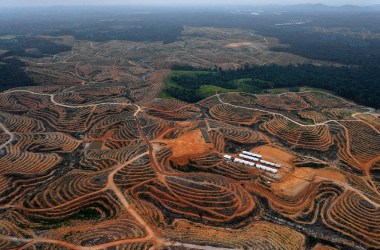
<point x="254" y="160"/>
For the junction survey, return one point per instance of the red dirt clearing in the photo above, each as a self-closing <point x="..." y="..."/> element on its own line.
<point x="275" y="155"/>
<point x="188" y="145"/>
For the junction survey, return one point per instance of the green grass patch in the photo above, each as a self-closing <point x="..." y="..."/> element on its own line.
<point x="193" y="86"/>
<point x="210" y="90"/>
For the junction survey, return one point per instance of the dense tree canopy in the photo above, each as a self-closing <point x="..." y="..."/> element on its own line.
<point x="12" y="74"/>
<point x="359" y="84"/>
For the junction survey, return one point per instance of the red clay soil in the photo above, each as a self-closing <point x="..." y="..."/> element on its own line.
<point x="298" y="180"/>
<point x="188" y="145"/>
<point x="275" y="155"/>
<point x="293" y="184"/>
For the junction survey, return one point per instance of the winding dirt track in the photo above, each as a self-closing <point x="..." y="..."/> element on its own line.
<point x="284" y="116"/>
<point x="151" y="235"/>
<point x="11" y="135"/>
<point x="220" y="100"/>
<point x="369" y="179"/>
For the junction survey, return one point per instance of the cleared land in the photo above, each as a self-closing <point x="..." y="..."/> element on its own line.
<point x="92" y="159"/>
<point x="142" y="175"/>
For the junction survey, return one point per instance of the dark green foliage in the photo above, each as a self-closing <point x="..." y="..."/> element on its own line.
<point x="12" y="74"/>
<point x="18" y="46"/>
<point x="360" y="84"/>
<point x="332" y="47"/>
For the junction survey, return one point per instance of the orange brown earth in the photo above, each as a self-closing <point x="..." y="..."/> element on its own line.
<point x="237" y="45"/>
<point x="186" y="146"/>
<point x="95" y="160"/>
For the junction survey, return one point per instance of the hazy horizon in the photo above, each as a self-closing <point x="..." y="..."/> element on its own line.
<point x="10" y="3"/>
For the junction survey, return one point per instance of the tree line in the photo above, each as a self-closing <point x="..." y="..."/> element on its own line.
<point x="357" y="83"/>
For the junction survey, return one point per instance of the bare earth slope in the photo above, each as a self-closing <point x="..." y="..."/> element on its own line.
<point x="101" y="162"/>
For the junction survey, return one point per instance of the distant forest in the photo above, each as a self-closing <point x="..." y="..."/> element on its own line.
<point x="334" y="34"/>
<point x="18" y="46"/>
<point x="12" y="74"/>
<point x="333" y="47"/>
<point x="338" y="39"/>
<point x="359" y="84"/>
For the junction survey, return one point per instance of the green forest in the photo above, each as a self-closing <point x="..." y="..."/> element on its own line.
<point x="359" y="84"/>
<point x="12" y="74"/>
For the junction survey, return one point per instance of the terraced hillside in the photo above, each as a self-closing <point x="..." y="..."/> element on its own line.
<point x="111" y="166"/>
<point x="91" y="158"/>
